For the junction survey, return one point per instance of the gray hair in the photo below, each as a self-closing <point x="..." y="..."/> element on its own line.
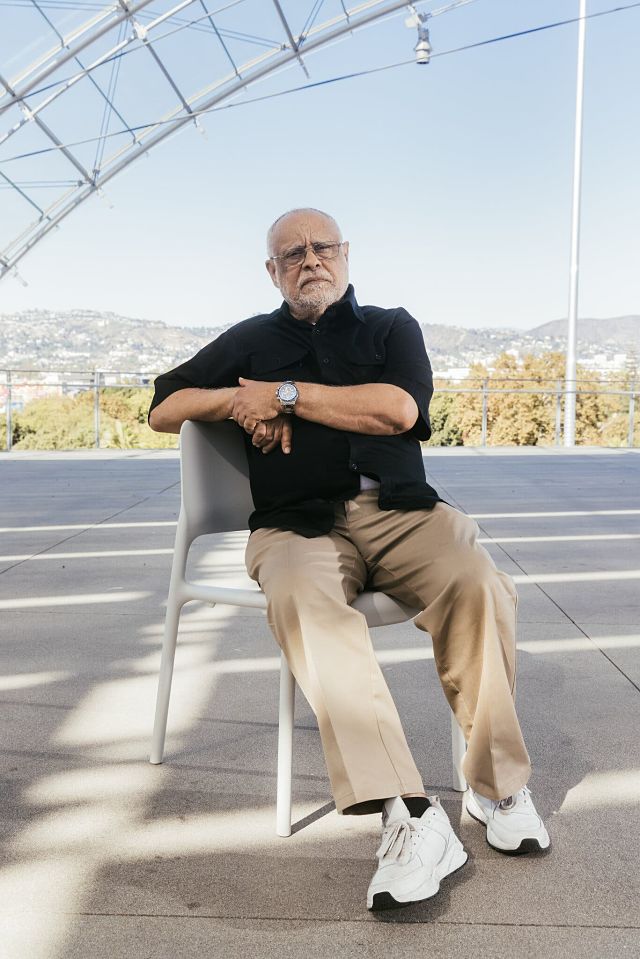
<point x="300" y="209"/>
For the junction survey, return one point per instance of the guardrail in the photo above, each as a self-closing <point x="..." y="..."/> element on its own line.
<point x="17" y="382"/>
<point x="559" y="393"/>
<point x="69" y="382"/>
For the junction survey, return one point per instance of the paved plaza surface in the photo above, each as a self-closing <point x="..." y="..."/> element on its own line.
<point x="107" y="856"/>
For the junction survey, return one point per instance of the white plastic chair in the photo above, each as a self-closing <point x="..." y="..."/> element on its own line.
<point x="216" y="499"/>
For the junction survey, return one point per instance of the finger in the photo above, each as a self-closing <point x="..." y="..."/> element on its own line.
<point x="261" y="430"/>
<point x="269" y="435"/>
<point x="273" y="437"/>
<point x="243" y="381"/>
<point x="287" y="434"/>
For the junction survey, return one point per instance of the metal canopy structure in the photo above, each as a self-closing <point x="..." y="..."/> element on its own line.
<point x="82" y="110"/>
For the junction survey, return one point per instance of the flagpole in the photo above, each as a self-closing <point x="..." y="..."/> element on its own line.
<point x="572" y="328"/>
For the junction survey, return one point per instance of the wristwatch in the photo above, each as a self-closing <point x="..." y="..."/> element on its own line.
<point x="287" y="393"/>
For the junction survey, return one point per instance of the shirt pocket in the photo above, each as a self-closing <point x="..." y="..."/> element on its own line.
<point x="365" y="365"/>
<point x="284" y="363"/>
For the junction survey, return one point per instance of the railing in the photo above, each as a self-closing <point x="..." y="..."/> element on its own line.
<point x="559" y="392"/>
<point x="68" y="382"/>
<point x="21" y="384"/>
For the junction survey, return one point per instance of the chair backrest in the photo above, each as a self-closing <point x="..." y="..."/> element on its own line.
<point x="216" y="497"/>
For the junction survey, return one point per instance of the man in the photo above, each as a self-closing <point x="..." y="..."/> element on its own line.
<point x="333" y="400"/>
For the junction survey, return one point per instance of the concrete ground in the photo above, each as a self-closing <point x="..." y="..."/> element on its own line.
<point x="108" y="856"/>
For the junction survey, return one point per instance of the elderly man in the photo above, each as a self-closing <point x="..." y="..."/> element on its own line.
<point x="333" y="400"/>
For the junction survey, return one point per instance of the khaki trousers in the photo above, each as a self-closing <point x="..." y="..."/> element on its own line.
<point x="429" y="559"/>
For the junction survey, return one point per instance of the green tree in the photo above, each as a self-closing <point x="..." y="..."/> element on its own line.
<point x="65" y="423"/>
<point x="444" y="427"/>
<point x="523" y="412"/>
<point x="53" y="423"/>
<point x="126" y="409"/>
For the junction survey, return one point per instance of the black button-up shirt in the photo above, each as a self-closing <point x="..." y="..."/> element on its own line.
<point x="349" y="345"/>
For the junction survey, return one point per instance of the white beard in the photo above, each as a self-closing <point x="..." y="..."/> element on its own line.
<point x="315" y="298"/>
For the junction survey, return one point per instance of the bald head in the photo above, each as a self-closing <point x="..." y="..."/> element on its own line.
<point x="318" y="273"/>
<point x="302" y="213"/>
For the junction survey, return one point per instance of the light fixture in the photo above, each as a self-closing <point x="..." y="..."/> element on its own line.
<point x="423" y="47"/>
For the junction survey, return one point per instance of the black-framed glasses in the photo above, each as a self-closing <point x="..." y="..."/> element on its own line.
<point x="324" y="251"/>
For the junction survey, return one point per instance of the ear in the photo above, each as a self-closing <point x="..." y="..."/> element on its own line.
<point x="345" y="247"/>
<point x="271" y="270"/>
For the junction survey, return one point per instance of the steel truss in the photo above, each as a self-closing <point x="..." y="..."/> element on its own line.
<point x="127" y="17"/>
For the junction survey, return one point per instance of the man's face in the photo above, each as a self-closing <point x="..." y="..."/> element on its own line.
<point x="311" y="286"/>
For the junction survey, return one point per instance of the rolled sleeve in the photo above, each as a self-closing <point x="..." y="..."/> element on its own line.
<point x="407" y="366"/>
<point x="213" y="367"/>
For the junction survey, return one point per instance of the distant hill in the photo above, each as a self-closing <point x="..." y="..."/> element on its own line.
<point x="457" y="341"/>
<point x="90" y="339"/>
<point x="622" y="332"/>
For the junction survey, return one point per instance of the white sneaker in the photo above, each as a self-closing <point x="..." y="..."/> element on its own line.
<point x="414" y="855"/>
<point x="513" y="825"/>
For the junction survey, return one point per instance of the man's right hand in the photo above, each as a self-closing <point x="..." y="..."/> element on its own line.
<point x="271" y="433"/>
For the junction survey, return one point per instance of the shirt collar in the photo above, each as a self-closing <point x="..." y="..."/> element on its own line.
<point x="346" y="304"/>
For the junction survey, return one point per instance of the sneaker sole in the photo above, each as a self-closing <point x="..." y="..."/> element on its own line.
<point x="530" y="844"/>
<point x="384" y="900"/>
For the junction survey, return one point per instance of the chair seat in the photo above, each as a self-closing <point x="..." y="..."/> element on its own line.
<point x="379" y="609"/>
<point x="223" y="595"/>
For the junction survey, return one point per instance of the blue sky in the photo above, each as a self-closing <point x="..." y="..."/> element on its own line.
<point x="452" y="182"/>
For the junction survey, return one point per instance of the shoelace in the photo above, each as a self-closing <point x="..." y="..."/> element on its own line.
<point x="397" y="842"/>
<point x="510" y="801"/>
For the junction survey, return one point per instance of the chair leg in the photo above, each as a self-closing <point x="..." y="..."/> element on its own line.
<point x="171" y="623"/>
<point x="285" y="748"/>
<point x="458" y="749"/>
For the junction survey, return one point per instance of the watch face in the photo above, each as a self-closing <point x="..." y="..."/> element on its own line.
<point x="287" y="392"/>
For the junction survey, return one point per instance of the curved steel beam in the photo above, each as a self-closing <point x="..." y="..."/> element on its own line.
<point x="48" y="132"/>
<point x="86" y="28"/>
<point x="21" y="91"/>
<point x="321" y="35"/>
<point x="86" y="71"/>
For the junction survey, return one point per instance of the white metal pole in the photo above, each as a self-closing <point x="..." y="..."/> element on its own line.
<point x="572" y="330"/>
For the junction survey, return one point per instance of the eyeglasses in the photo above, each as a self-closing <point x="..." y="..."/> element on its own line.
<point x="324" y="251"/>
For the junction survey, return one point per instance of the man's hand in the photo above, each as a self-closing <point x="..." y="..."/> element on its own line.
<point x="271" y="433"/>
<point x="255" y="401"/>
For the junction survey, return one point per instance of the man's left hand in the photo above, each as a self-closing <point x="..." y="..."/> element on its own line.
<point x="272" y="433"/>
<point x="255" y="401"/>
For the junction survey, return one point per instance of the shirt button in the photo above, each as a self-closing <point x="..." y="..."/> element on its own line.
<point x="353" y="466"/>
<point x="326" y="361"/>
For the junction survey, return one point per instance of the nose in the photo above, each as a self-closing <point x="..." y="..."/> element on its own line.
<point x="315" y="259"/>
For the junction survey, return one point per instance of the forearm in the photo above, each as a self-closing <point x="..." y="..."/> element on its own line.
<point x="374" y="408"/>
<point x="209" y="406"/>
